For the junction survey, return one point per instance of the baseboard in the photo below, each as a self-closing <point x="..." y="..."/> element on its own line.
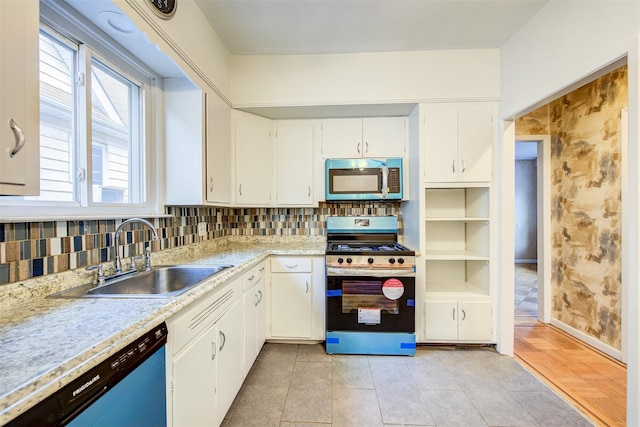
<point x="526" y="261"/>
<point x="593" y="342"/>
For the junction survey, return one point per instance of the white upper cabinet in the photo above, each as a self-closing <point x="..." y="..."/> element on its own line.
<point x="384" y="137"/>
<point x="294" y="167"/>
<point x="19" y="103"/>
<point x="253" y="159"/>
<point x="198" y="135"/>
<point x="459" y="138"/>
<point x="218" y="148"/>
<point x="378" y="137"/>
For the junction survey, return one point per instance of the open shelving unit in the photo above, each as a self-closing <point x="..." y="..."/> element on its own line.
<point x="457" y="241"/>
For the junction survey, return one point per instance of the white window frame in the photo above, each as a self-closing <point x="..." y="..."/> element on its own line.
<point x="94" y="43"/>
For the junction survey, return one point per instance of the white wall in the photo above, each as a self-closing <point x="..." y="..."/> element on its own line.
<point x="364" y="78"/>
<point x="563" y="43"/>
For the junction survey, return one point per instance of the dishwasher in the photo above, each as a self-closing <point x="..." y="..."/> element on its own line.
<point x="127" y="389"/>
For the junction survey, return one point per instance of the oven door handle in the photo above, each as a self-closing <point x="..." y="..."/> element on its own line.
<point x="371" y="272"/>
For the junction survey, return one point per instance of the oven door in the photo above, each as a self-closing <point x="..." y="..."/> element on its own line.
<point x="376" y="303"/>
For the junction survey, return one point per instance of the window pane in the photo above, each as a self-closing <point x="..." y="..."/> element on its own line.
<point x="114" y="104"/>
<point x="57" y="105"/>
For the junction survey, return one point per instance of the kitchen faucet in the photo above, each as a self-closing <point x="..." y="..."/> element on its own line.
<point x="118" y="262"/>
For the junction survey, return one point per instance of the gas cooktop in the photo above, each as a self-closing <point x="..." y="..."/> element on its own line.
<point x="361" y="247"/>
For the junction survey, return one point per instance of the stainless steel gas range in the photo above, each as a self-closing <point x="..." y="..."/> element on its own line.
<point x="370" y="287"/>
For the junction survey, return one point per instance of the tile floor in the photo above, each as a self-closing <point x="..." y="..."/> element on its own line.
<point x="300" y="385"/>
<point x="526" y="290"/>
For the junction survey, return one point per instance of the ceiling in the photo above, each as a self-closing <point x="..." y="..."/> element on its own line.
<point x="274" y="27"/>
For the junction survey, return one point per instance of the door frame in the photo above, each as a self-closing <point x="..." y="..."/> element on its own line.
<point x="543" y="207"/>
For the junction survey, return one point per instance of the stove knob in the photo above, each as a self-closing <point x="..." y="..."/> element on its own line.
<point x="370" y="260"/>
<point x="392" y="261"/>
<point x="400" y="260"/>
<point x="349" y="260"/>
<point x="340" y="260"/>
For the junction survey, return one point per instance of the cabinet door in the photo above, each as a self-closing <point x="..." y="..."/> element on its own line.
<point x="441" y="318"/>
<point x="194" y="380"/>
<point x="441" y="143"/>
<point x="261" y="313"/>
<point x="474" y="322"/>
<point x="19" y="103"/>
<point x="218" y="149"/>
<point x="476" y="133"/>
<point x="384" y="137"/>
<point x="230" y="373"/>
<point x="342" y="138"/>
<point x="250" y="328"/>
<point x="294" y="161"/>
<point x="253" y="160"/>
<point x="291" y="305"/>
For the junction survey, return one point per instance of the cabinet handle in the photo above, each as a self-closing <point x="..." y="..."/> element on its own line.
<point x="223" y="338"/>
<point x="308" y="191"/>
<point x="464" y="168"/>
<point x="464" y="315"/>
<point x="260" y="300"/>
<point x="250" y="279"/>
<point x="19" y="134"/>
<point x="307" y="290"/>
<point x="262" y="269"/>
<point x="291" y="266"/>
<point x="453" y="313"/>
<point x="358" y="148"/>
<point x="240" y="189"/>
<point x="453" y="166"/>
<point x="257" y="300"/>
<point x="211" y="182"/>
<point x="213" y="349"/>
<point x="366" y="147"/>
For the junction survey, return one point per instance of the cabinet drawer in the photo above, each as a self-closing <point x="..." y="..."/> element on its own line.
<point x="197" y="317"/>
<point x="254" y="275"/>
<point x="290" y="265"/>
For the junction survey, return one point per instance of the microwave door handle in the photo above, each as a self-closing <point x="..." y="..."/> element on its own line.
<point x="385" y="182"/>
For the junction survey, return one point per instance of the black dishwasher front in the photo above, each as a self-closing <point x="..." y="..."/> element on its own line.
<point x="127" y="389"/>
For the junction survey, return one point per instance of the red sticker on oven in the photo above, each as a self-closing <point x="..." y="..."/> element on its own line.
<point x="392" y="289"/>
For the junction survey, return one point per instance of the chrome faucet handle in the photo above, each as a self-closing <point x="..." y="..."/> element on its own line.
<point x="101" y="276"/>
<point x="147" y="258"/>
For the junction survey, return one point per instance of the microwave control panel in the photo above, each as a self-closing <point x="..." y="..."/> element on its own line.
<point x="394" y="180"/>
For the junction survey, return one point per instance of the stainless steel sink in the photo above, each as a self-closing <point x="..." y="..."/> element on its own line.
<point x="160" y="282"/>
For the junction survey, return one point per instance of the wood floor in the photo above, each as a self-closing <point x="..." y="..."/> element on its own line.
<point x="594" y="382"/>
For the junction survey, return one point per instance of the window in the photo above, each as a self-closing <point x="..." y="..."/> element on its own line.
<point x="95" y="113"/>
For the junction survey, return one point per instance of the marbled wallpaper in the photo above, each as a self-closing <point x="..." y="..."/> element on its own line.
<point x="585" y="200"/>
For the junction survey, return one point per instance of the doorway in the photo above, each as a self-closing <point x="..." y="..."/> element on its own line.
<point x="532" y="276"/>
<point x="526" y="230"/>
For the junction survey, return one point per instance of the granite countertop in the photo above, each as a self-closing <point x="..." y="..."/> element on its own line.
<point x="46" y="343"/>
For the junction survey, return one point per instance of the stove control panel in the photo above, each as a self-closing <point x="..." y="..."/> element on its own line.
<point x="378" y="261"/>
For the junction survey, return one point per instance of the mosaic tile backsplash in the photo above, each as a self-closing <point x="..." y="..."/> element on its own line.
<point x="31" y="249"/>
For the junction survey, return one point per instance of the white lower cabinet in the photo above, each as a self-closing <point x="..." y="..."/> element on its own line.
<point x="296" y="296"/>
<point x="205" y="358"/>
<point x="255" y="301"/>
<point x="452" y="320"/>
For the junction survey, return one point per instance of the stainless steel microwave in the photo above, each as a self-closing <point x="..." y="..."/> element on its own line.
<point x="363" y="179"/>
